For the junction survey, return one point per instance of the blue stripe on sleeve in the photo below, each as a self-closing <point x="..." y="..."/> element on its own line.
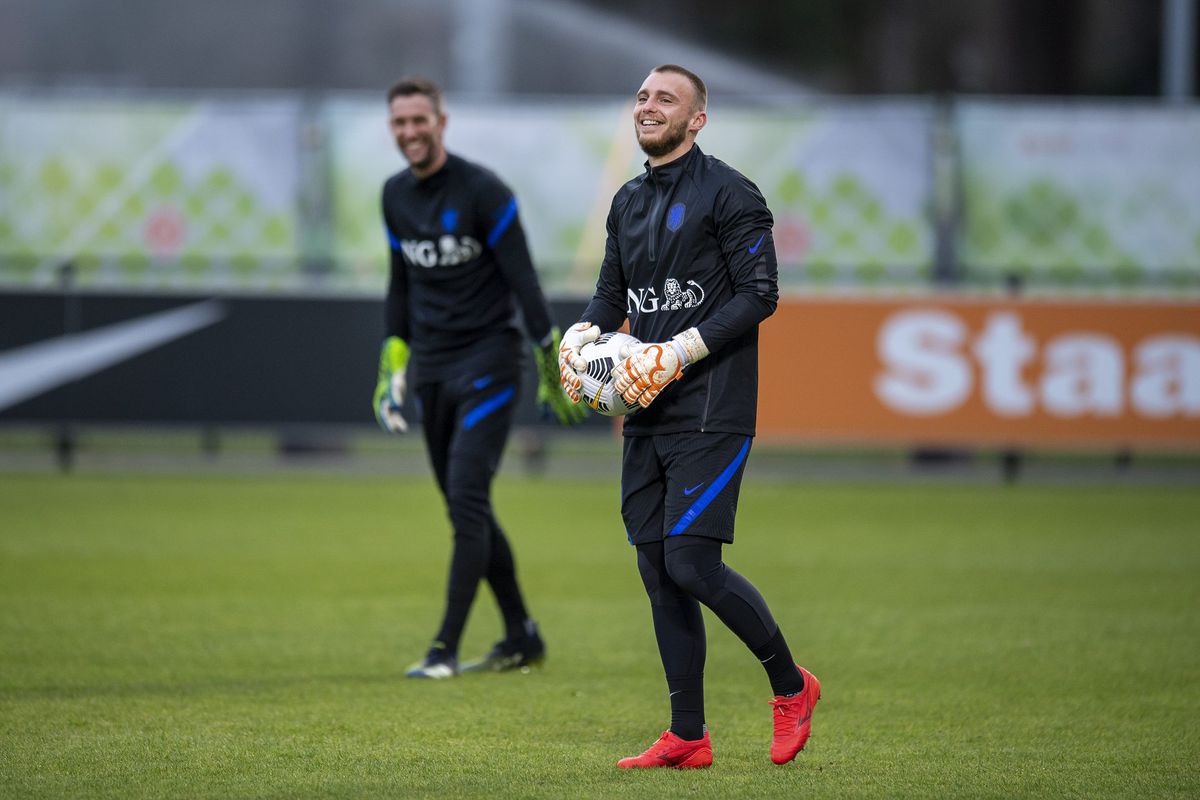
<point x="506" y="218"/>
<point x="487" y="407"/>
<point x="392" y="240"/>
<point x="715" y="489"/>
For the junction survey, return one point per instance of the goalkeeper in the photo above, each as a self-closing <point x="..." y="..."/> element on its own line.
<point x="460" y="268"/>
<point x="690" y="261"/>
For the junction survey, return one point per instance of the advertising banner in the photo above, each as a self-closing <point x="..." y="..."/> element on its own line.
<point x="963" y="371"/>
<point x="191" y="359"/>
<point x="849" y="184"/>
<point x="910" y="371"/>
<point x="553" y="158"/>
<point x="149" y="194"/>
<point x="1081" y="193"/>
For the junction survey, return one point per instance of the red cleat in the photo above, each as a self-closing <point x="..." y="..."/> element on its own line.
<point x="671" y="751"/>
<point x="793" y="719"/>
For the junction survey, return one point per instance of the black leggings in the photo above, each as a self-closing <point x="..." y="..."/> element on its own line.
<point x="680" y="573"/>
<point x="466" y="424"/>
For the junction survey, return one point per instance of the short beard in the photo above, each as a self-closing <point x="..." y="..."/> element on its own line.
<point x="431" y="154"/>
<point x="675" y="136"/>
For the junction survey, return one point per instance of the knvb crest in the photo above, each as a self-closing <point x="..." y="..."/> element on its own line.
<point x="675" y="216"/>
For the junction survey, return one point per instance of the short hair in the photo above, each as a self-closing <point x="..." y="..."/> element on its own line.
<point x="406" y="87"/>
<point x="697" y="84"/>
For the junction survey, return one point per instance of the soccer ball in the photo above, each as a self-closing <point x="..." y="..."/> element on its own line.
<point x="597" y="390"/>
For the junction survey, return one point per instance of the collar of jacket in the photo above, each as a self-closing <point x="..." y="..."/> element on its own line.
<point x="673" y="169"/>
<point x="438" y="178"/>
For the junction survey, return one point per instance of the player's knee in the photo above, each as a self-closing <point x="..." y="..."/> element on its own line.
<point x="468" y="503"/>
<point x="699" y="577"/>
<point x="472" y="531"/>
<point x="661" y="590"/>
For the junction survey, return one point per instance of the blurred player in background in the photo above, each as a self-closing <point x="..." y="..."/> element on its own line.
<point x="691" y="262"/>
<point x="460" y="267"/>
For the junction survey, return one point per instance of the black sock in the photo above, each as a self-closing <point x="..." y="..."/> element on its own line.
<point x="776" y="659"/>
<point x="687" y="707"/>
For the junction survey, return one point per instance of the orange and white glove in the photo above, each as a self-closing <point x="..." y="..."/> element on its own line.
<point x="650" y="368"/>
<point x="569" y="360"/>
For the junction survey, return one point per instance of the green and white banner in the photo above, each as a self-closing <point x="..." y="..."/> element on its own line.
<point x="149" y="193"/>
<point x="1081" y="193"/>
<point x="554" y="158"/>
<point x="849" y="184"/>
<point x="208" y="194"/>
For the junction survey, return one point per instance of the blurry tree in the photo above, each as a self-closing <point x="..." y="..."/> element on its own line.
<point x="1052" y="47"/>
<point x="1055" y="47"/>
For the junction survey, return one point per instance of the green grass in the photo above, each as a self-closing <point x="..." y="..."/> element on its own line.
<point x="245" y="637"/>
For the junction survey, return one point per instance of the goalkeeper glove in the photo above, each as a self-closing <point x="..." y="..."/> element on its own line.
<point x="550" y="391"/>
<point x="650" y="368"/>
<point x="389" y="391"/>
<point x="569" y="360"/>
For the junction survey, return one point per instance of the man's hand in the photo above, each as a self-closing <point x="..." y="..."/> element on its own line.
<point x="550" y="392"/>
<point x="389" y="390"/>
<point x="569" y="361"/>
<point x="650" y="368"/>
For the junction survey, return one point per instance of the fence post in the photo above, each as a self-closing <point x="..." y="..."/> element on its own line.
<point x="65" y="438"/>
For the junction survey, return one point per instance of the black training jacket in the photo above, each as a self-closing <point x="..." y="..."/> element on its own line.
<point x="689" y="245"/>
<point x="459" y="268"/>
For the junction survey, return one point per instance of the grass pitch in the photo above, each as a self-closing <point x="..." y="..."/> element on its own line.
<point x="246" y="637"/>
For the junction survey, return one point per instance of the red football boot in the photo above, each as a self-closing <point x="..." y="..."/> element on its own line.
<point x="793" y="719"/>
<point x="671" y="751"/>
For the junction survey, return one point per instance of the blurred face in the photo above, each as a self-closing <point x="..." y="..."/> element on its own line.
<point x="417" y="128"/>
<point x="665" y="116"/>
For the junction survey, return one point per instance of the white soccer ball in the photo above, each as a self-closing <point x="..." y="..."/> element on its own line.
<point x="601" y="356"/>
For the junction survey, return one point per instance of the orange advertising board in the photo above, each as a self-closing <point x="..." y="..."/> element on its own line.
<point x="954" y="370"/>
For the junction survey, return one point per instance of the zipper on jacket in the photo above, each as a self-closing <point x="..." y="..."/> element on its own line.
<point x="655" y="214"/>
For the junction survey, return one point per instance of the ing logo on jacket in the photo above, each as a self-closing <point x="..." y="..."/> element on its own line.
<point x="674" y="297"/>
<point x="448" y="251"/>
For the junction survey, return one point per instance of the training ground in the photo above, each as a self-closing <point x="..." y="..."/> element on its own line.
<point x="211" y="634"/>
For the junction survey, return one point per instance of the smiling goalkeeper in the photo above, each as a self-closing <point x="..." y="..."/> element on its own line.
<point x="460" y="267"/>
<point x="691" y="262"/>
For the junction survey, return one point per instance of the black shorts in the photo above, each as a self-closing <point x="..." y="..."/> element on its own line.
<point x="677" y="483"/>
